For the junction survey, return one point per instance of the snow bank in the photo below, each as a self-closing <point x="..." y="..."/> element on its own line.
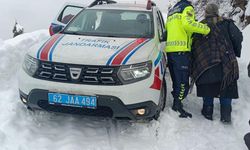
<point x="21" y="129"/>
<point x="13" y="50"/>
<point x="248" y="9"/>
<point x="246" y="45"/>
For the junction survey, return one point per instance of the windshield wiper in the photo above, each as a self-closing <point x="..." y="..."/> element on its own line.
<point x="111" y="36"/>
<point x="74" y="33"/>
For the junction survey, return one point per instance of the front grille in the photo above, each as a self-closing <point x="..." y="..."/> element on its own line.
<point x="78" y="74"/>
<point x="101" y="111"/>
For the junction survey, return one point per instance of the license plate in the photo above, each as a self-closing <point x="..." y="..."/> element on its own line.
<point x="72" y="100"/>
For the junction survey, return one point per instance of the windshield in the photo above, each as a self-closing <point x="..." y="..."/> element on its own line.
<point x="112" y="23"/>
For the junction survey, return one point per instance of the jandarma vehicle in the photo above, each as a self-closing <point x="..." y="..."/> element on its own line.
<point x="108" y="61"/>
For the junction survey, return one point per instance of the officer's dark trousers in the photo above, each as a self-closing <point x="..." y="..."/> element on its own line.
<point x="179" y="70"/>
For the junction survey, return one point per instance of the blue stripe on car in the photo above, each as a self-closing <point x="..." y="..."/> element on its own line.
<point x="40" y="49"/>
<point x="135" y="50"/>
<point x="113" y="56"/>
<point x="158" y="59"/>
<point x="54" y="46"/>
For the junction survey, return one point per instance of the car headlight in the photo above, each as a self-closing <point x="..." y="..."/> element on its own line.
<point x="30" y="65"/>
<point x="134" y="73"/>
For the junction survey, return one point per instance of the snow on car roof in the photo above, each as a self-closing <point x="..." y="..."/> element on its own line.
<point x="122" y="6"/>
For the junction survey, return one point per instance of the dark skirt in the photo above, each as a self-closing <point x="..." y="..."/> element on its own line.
<point x="213" y="90"/>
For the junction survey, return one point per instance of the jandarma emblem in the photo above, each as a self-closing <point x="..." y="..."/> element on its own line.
<point x="75" y="73"/>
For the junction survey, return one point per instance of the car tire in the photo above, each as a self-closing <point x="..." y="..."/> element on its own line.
<point x="163" y="99"/>
<point x="164" y="94"/>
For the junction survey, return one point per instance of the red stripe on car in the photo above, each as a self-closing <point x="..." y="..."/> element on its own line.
<point x="120" y="57"/>
<point x="45" y="51"/>
<point x="157" y="81"/>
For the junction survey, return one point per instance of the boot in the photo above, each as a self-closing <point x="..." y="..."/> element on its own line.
<point x="178" y="106"/>
<point x="207" y="111"/>
<point x="225" y="112"/>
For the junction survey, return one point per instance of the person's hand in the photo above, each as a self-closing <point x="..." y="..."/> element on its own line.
<point x="196" y="36"/>
<point x="207" y="35"/>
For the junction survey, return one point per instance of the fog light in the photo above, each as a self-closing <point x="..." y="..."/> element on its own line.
<point x="23" y="100"/>
<point x="141" y="111"/>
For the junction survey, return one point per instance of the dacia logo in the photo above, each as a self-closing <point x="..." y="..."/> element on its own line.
<point x="75" y="73"/>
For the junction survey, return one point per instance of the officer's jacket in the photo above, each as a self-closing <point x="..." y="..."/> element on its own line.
<point x="181" y="25"/>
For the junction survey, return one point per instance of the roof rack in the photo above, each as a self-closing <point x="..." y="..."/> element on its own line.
<point x="100" y="2"/>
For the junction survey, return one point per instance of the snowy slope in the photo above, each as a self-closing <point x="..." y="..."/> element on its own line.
<point x="226" y="9"/>
<point x="21" y="129"/>
<point x="248" y="9"/>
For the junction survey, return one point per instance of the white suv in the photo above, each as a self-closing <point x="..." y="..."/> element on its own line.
<point x="108" y="61"/>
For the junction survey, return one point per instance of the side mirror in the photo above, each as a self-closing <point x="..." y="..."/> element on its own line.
<point x="54" y="29"/>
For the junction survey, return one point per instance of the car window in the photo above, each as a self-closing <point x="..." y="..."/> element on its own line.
<point x="161" y="19"/>
<point x="160" y="25"/>
<point x="112" y="23"/>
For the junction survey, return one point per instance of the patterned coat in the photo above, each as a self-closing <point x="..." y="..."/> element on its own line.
<point x="214" y="67"/>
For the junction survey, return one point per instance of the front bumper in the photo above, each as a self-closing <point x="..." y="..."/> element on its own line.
<point x="129" y="94"/>
<point x="107" y="106"/>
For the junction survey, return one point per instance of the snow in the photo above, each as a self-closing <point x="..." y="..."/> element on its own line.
<point x="13" y="50"/>
<point x="21" y="129"/>
<point x="248" y="9"/>
<point x="246" y="45"/>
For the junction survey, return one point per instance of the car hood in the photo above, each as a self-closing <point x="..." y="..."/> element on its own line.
<point x="90" y="50"/>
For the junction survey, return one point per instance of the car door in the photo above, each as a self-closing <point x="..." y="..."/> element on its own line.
<point x="161" y="32"/>
<point x="67" y="13"/>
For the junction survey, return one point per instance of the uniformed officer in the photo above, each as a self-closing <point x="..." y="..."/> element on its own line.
<point x="180" y="26"/>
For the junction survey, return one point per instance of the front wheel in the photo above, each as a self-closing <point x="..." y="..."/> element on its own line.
<point x="163" y="94"/>
<point x="163" y="98"/>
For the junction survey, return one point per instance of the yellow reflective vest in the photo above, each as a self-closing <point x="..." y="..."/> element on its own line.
<point x="180" y="26"/>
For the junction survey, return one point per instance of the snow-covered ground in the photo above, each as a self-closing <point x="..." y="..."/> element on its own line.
<point x="248" y="9"/>
<point x="21" y="129"/>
